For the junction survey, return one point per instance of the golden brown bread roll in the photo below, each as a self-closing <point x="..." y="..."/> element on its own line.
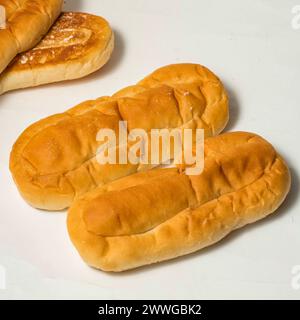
<point x="54" y="160"/>
<point x="77" y="45"/>
<point x="162" y="214"/>
<point x="27" y="21"/>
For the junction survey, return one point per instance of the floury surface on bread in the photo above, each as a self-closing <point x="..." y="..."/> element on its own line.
<point x="162" y="214"/>
<point x="27" y="21"/>
<point x="54" y="160"/>
<point x="77" y="45"/>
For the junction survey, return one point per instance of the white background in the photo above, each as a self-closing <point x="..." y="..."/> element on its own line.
<point x="252" y="46"/>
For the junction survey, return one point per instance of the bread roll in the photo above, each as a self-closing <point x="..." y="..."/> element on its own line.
<point x="27" y="21"/>
<point x="162" y="214"/>
<point x="54" y="160"/>
<point x="77" y="45"/>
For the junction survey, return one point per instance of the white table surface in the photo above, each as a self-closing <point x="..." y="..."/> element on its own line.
<point x="255" y="50"/>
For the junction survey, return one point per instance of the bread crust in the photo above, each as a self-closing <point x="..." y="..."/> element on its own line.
<point x="37" y="15"/>
<point x="76" y="45"/>
<point x="54" y="160"/>
<point x="163" y="214"/>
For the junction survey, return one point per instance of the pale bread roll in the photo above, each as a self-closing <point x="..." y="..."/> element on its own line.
<point x="54" y="160"/>
<point x="162" y="214"/>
